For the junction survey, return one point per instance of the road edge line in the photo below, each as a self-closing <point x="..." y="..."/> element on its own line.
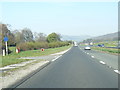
<point x="26" y="77"/>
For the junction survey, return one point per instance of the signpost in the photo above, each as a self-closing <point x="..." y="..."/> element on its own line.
<point x="5" y="40"/>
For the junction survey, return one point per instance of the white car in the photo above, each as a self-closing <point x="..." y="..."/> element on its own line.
<point x="87" y="48"/>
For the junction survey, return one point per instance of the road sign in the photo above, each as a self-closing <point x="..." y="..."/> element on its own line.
<point x="5" y="39"/>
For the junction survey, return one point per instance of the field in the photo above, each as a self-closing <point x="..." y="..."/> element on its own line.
<point x="109" y="50"/>
<point x="108" y="43"/>
<point x="13" y="57"/>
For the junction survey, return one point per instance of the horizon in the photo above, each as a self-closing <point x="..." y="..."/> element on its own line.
<point x="67" y="18"/>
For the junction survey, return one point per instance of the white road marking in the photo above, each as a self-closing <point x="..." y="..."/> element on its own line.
<point x="109" y="66"/>
<point x="117" y="71"/>
<point x="87" y="53"/>
<point x="56" y="58"/>
<point x="92" y="56"/>
<point x="16" y="65"/>
<point x="102" y="62"/>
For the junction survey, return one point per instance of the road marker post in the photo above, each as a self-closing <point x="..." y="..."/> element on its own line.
<point x="42" y="49"/>
<point x="6" y="48"/>
<point x="3" y="52"/>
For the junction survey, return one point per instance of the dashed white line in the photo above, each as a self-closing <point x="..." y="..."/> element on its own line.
<point x="102" y="62"/>
<point x="92" y="56"/>
<point x="117" y="71"/>
<point x="109" y="66"/>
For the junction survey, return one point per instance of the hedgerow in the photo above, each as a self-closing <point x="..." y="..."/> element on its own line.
<point x="38" y="45"/>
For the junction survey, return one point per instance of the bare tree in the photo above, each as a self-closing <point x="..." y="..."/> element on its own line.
<point x="5" y="32"/>
<point x="40" y="37"/>
<point x="27" y="35"/>
<point x="18" y="37"/>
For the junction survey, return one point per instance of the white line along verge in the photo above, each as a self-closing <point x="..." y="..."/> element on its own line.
<point x="92" y="56"/>
<point x="56" y="58"/>
<point x="117" y="71"/>
<point x="102" y="62"/>
<point x="17" y="65"/>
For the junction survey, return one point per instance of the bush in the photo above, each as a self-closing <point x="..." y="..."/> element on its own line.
<point x="39" y="45"/>
<point x="57" y="44"/>
<point x="32" y="46"/>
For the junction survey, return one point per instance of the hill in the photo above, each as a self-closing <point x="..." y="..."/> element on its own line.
<point x="75" y="38"/>
<point x="107" y="37"/>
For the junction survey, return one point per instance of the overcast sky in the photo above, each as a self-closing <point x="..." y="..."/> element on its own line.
<point x="68" y="18"/>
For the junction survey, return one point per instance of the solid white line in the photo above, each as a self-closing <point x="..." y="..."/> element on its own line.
<point x="117" y="71"/>
<point x="102" y="62"/>
<point x="56" y="58"/>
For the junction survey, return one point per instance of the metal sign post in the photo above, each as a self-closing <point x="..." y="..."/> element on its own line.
<point x="6" y="48"/>
<point x="6" y="39"/>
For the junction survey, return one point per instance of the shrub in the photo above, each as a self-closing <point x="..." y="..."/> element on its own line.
<point x="57" y="44"/>
<point x="39" y="45"/>
<point x="32" y="45"/>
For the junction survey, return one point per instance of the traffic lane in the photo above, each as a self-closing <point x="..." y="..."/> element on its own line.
<point x="110" y="60"/>
<point x="74" y="69"/>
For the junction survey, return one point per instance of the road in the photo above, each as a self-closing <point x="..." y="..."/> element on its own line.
<point x="74" y="69"/>
<point x="109" y="59"/>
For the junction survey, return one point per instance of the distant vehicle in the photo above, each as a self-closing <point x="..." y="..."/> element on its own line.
<point x="100" y="45"/>
<point x="87" y="48"/>
<point x="75" y="44"/>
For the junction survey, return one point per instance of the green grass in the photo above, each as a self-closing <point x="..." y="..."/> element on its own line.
<point x="108" y="43"/>
<point x="20" y="68"/>
<point x="13" y="57"/>
<point x="12" y="49"/>
<point x="109" y="50"/>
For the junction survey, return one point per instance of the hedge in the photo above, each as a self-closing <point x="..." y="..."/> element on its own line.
<point x="39" y="45"/>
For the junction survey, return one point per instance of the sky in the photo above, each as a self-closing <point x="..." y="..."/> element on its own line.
<point x="66" y="18"/>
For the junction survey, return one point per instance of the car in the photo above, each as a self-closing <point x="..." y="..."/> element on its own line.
<point x="87" y="48"/>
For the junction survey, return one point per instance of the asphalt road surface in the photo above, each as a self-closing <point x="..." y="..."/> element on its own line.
<point x="109" y="59"/>
<point x="75" y="69"/>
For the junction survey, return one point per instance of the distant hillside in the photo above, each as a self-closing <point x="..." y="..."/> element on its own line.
<point x="75" y="38"/>
<point x="107" y="37"/>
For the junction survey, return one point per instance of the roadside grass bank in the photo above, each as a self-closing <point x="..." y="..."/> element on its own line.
<point x="8" y="72"/>
<point x="13" y="57"/>
<point x="107" y="50"/>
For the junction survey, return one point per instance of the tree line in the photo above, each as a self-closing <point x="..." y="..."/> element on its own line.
<point x="25" y="39"/>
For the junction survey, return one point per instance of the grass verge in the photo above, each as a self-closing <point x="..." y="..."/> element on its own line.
<point x="108" y="50"/>
<point x="13" y="57"/>
<point x="21" y="67"/>
<point x="108" y="43"/>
